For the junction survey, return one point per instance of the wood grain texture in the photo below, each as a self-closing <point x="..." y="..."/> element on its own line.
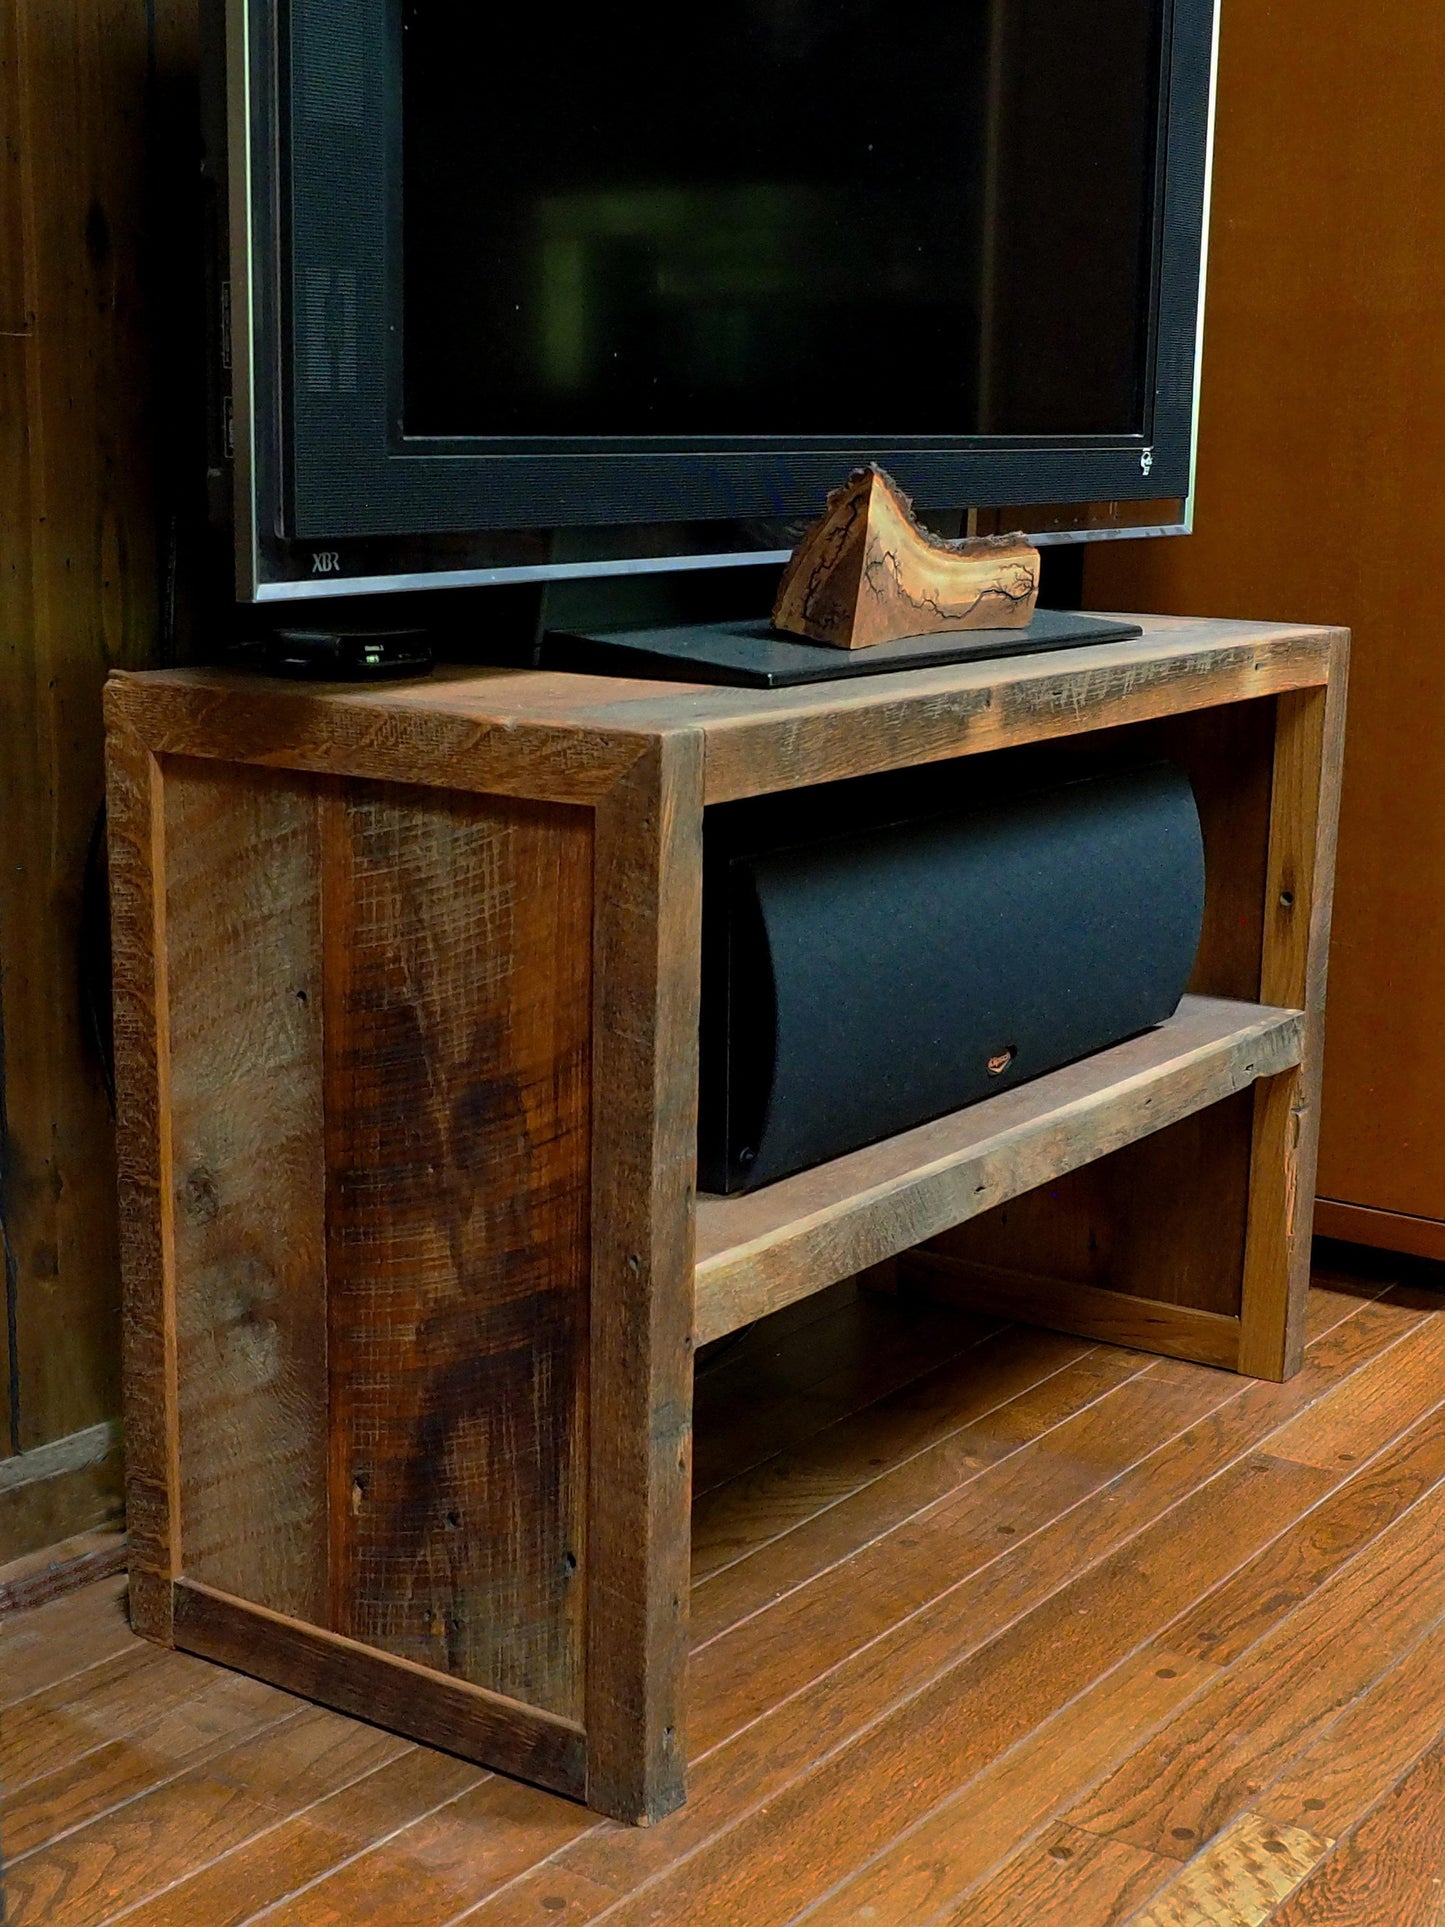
<point x="98" y="1781"/>
<point x="981" y="1452"/>
<point x="1104" y="1881"/>
<point x="120" y="1696"/>
<point x="792" y="738"/>
<point x="457" y="937"/>
<point x="524" y="732"/>
<point x="43" y="1644"/>
<point x="1391" y="1871"/>
<point x="63" y="1567"/>
<point x="305" y="1846"/>
<point x="487" y="731"/>
<point x="995" y="1812"/>
<point x="868" y="572"/>
<point x="1318" y="265"/>
<point x="394" y="1692"/>
<point x="1375" y="1741"/>
<point x="1239" y="1879"/>
<point x="243" y="966"/>
<point x="68" y="1486"/>
<point x="1089" y="1311"/>
<point x="648" y="951"/>
<point x="837" y="1465"/>
<point x="952" y="1850"/>
<point x="762" y="1249"/>
<point x="1202" y="1769"/>
<point x="946" y="1552"/>
<point x="1299" y="895"/>
<point x="135" y="817"/>
<point x="1127" y="1519"/>
<point x="770" y="1388"/>
<point x="1163" y="1218"/>
<point x="507" y="1037"/>
<point x="480" y="1839"/>
<point x="78" y="592"/>
<point x="1385" y="1230"/>
<point x="852" y="1801"/>
<point x="906" y="1781"/>
<point x="176" y="1826"/>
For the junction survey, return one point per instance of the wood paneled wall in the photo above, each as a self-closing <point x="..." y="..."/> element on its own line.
<point x="1321" y="496"/>
<point x="79" y="86"/>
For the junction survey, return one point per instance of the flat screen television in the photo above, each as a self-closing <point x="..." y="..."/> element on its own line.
<point x="513" y="295"/>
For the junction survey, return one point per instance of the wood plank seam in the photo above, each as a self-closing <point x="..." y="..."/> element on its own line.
<point x="1139" y="1739"/>
<point x="901" y="1524"/>
<point x="293" y="1894"/>
<point x="598" y="1828"/>
<point x="762" y="1545"/>
<point x="14" y="1784"/>
<point x="580" y="1816"/>
<point x="198" y="1759"/>
<point x="1415" y="1759"/>
<point x="20" y="1699"/>
<point x="1259" y="1802"/>
<point x="931" y="1683"/>
<point x="593" y="1833"/>
<point x="986" y="1330"/>
<point x="1007" y="1552"/>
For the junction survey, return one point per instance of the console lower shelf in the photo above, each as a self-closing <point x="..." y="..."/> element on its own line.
<point x="765" y="1249"/>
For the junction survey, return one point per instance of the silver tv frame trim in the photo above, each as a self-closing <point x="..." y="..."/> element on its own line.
<point x="1188" y="528"/>
<point x="252" y="588"/>
<point x="242" y="299"/>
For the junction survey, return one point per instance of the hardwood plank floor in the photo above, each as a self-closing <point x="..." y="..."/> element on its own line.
<point x="991" y="1627"/>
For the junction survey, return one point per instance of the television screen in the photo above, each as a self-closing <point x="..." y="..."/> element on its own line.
<point x="813" y="217"/>
<point x="521" y="294"/>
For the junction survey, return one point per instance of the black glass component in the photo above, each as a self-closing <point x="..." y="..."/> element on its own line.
<point x="754" y="655"/>
<point x="786" y="218"/>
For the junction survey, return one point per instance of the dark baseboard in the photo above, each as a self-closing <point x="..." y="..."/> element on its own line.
<point x="39" y="1577"/>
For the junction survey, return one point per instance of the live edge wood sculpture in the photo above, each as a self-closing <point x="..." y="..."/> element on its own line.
<point x="407" y="1036"/>
<point x="867" y="572"/>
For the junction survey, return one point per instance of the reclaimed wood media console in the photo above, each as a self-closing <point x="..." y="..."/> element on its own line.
<point x="406" y="1021"/>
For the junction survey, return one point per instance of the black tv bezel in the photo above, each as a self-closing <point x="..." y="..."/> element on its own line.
<point x="329" y="490"/>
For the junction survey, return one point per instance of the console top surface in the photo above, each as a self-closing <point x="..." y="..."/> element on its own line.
<point x="457" y="721"/>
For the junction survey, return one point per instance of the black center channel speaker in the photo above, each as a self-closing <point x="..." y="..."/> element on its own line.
<point x="878" y="953"/>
